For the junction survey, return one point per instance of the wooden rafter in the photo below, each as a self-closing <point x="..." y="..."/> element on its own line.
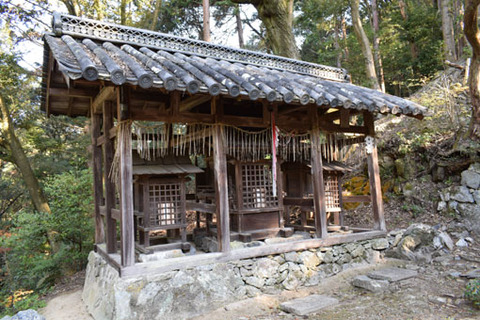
<point x="107" y="93"/>
<point x="193" y="101"/>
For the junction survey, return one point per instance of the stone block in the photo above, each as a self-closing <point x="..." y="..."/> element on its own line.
<point x="309" y="259"/>
<point x="370" y="284"/>
<point x="380" y="244"/>
<point x="308" y="305"/>
<point x="461" y="194"/>
<point x="470" y="179"/>
<point x="392" y="274"/>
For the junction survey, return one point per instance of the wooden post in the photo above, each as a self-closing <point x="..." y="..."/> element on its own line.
<point x="124" y="145"/>
<point x="317" y="178"/>
<point x="111" y="225"/>
<point x="221" y="189"/>
<point x="97" y="179"/>
<point x="374" y="175"/>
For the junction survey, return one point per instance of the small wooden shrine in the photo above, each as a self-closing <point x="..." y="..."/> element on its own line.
<point x="267" y="132"/>
<point x="159" y="193"/>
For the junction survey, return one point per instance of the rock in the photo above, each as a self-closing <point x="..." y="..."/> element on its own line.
<point x="255" y="282"/>
<point x="470" y="179"/>
<point x="291" y="282"/>
<point x="471" y="216"/>
<point x="461" y="243"/>
<point x="461" y="194"/>
<point x="437" y="243"/>
<point x="291" y="256"/>
<point x="473" y="274"/>
<point x="438" y="300"/>
<point x="265" y="268"/>
<point x="476" y="196"/>
<point x="446" y="240"/>
<point x="237" y="245"/>
<point x="331" y="269"/>
<point x="380" y="244"/>
<point x="308" y="305"/>
<point x="442" y="206"/>
<point x="370" y="284"/>
<point x="475" y="167"/>
<point x="453" y="205"/>
<point x="25" y="315"/>
<point x="358" y="251"/>
<point x="338" y="251"/>
<point x="392" y="274"/>
<point x="328" y="257"/>
<point x="344" y="258"/>
<point x="309" y="259"/>
<point x="397" y="239"/>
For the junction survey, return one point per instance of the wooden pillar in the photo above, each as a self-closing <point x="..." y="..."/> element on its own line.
<point x="111" y="225"/>
<point x="374" y="175"/>
<point x="97" y="178"/>
<point x="221" y="189"/>
<point x="124" y="145"/>
<point x="317" y="178"/>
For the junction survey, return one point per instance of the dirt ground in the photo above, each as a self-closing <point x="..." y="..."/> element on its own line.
<point x="436" y="293"/>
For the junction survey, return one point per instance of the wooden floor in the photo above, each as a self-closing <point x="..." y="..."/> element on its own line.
<point x="160" y="266"/>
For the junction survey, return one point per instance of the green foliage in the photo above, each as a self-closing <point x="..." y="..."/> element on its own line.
<point x="472" y="292"/>
<point x="29" y="262"/>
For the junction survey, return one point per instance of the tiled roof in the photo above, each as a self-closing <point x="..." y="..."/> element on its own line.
<point x="94" y="50"/>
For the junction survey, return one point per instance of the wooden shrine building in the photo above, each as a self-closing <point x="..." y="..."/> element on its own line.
<point x="239" y="137"/>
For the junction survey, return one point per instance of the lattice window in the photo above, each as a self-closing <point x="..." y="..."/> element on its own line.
<point x="165" y="204"/>
<point x="332" y="198"/>
<point x="257" y="186"/>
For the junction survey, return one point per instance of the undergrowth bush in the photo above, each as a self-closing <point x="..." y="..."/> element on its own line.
<point x="472" y="292"/>
<point x="30" y="263"/>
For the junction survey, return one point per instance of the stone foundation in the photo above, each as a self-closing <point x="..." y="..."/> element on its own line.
<point x="186" y="293"/>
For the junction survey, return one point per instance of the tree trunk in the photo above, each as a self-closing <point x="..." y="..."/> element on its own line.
<point x="206" y="20"/>
<point x="403" y="12"/>
<point x="473" y="36"/>
<point x="337" y="44"/>
<point x="238" y="19"/>
<point x="376" y="46"/>
<point x="277" y="16"/>
<point x="447" y="30"/>
<point x="21" y="161"/>
<point x="156" y="12"/>
<point x="365" y="45"/>
<point x="346" y="50"/>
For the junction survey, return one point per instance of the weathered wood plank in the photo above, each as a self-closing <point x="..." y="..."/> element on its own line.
<point x="221" y="189"/>
<point x="97" y="179"/>
<point x="201" y="207"/>
<point x="320" y="212"/>
<point x="376" y="190"/>
<point x="127" y="241"/>
<point x="108" y="152"/>
<point x="182" y="263"/>
<point x="107" y="93"/>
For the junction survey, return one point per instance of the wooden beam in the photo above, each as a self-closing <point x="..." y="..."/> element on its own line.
<point x="292" y="109"/>
<point x="376" y="190"/>
<point x="127" y="241"/>
<point x="106" y="94"/>
<point x="193" y="101"/>
<point x="73" y="92"/>
<point x="320" y="212"/>
<point x="374" y="176"/>
<point x="97" y="179"/>
<point x="181" y="263"/>
<point x="344" y="118"/>
<point x="174" y="105"/>
<point x="108" y="153"/>
<point x="221" y="189"/>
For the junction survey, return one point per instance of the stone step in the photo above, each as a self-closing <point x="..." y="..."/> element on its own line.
<point x="392" y="274"/>
<point x="308" y="305"/>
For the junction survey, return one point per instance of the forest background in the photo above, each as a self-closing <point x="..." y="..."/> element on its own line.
<point x="396" y="46"/>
